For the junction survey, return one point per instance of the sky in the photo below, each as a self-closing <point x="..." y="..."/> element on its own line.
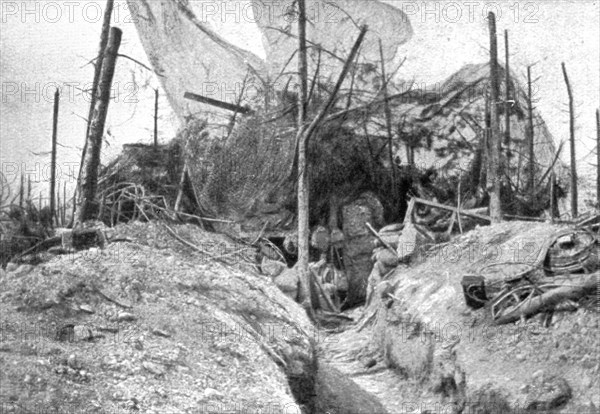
<point x="48" y="44"/>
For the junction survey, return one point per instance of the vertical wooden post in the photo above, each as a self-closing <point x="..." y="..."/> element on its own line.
<point x="28" y="187"/>
<point x="507" y="103"/>
<point x="494" y="147"/>
<point x="40" y="203"/>
<point x="53" y="158"/>
<point x="574" y="192"/>
<point x="598" y="157"/>
<point x="530" y="133"/>
<point x="156" y="118"/>
<point x="89" y="176"/>
<point x="303" y="178"/>
<point x="388" y="121"/>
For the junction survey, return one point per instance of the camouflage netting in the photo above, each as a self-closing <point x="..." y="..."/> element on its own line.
<point x="195" y="46"/>
<point x="249" y="178"/>
<point x="248" y="174"/>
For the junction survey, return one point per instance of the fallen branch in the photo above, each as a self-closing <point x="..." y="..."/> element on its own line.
<point x="467" y="213"/>
<point x="383" y="242"/>
<point x="108" y="298"/>
<point x="184" y="241"/>
<point x="571" y="290"/>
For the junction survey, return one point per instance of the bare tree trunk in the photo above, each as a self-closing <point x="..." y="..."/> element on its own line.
<point x="507" y="103"/>
<point x="57" y="212"/>
<point x="53" y="157"/>
<point x="64" y="209"/>
<point x="97" y="67"/>
<point x="554" y="211"/>
<point x="304" y="135"/>
<point x="388" y="121"/>
<point x="531" y="133"/>
<point x="494" y="147"/>
<point x="598" y="156"/>
<point x="303" y="179"/>
<point x="89" y="176"/>
<point x="29" y="187"/>
<point x="572" y="140"/>
<point x="156" y="118"/>
<point x="483" y="176"/>
<point x="22" y="191"/>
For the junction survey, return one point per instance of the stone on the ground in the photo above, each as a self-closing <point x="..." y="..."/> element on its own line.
<point x="547" y="392"/>
<point x="288" y="282"/>
<point x="272" y="268"/>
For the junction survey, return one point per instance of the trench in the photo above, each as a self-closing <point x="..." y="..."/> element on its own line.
<point x="348" y="379"/>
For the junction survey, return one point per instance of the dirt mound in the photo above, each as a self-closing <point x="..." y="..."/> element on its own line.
<point x="419" y="326"/>
<point x="148" y="325"/>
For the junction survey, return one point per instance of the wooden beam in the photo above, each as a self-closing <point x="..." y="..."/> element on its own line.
<point x="466" y="213"/>
<point x="219" y="104"/>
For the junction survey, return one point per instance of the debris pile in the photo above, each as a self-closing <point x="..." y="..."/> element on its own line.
<point x="451" y="313"/>
<point x="566" y="274"/>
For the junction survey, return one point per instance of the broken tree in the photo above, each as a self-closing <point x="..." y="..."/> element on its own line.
<point x="303" y="194"/>
<point x="530" y="134"/>
<point x="572" y="140"/>
<point x="303" y="136"/>
<point x="91" y="161"/>
<point x="53" y="157"/>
